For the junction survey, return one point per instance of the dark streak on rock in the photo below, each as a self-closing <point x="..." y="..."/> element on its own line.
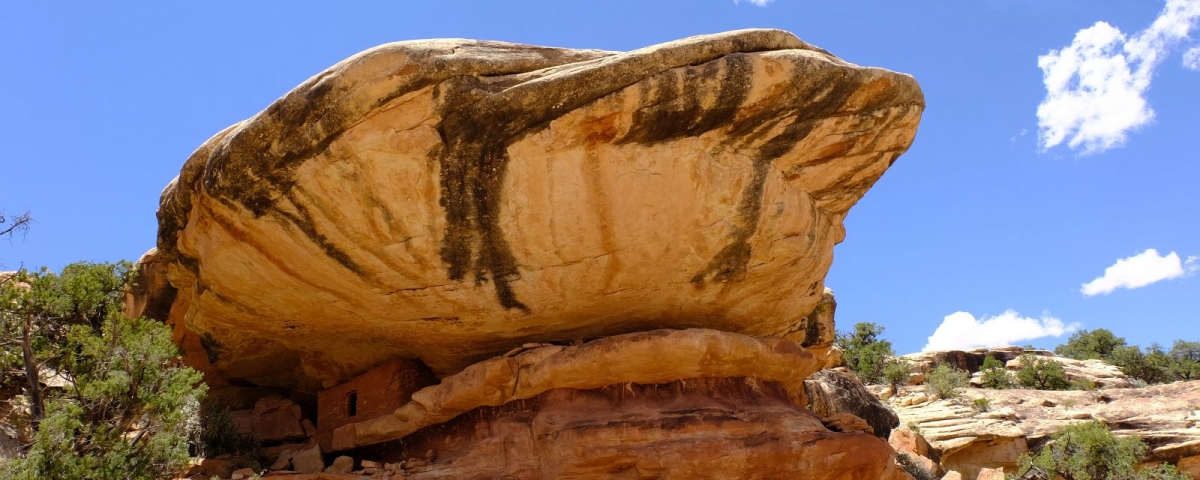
<point x="476" y="138"/>
<point x="159" y="305"/>
<point x="676" y="105"/>
<point x="692" y="88"/>
<point x="303" y="222"/>
<point x="730" y="264"/>
<point x="212" y="347"/>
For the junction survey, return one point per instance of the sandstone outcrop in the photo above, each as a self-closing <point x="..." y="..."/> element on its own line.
<point x="817" y="332"/>
<point x="450" y="200"/>
<point x="1098" y="373"/>
<point x="706" y="428"/>
<point x="1166" y="417"/>
<point x="831" y="393"/>
<point x="495" y="260"/>
<point x="656" y="404"/>
<point x="647" y="358"/>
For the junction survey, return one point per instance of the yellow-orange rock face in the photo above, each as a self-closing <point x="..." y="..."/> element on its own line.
<point x="449" y="200"/>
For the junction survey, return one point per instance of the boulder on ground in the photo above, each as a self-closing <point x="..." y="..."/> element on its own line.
<point x="308" y="459"/>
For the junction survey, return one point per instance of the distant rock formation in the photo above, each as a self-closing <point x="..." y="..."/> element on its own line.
<point x="1016" y="421"/>
<point x="1099" y="373"/>
<point x="645" y="233"/>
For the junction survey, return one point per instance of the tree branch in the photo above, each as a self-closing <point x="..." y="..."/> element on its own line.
<point x="17" y="224"/>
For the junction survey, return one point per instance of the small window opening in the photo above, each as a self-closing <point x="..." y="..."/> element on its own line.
<point x="352" y="404"/>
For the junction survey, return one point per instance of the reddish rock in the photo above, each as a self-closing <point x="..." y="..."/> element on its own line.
<point x="278" y="426"/>
<point x="342" y="464"/>
<point x="846" y="422"/>
<point x="308" y="459"/>
<point x="705" y="428"/>
<point x="216" y="467"/>
<point x="991" y="474"/>
<point x="379" y="391"/>
<point x="907" y="441"/>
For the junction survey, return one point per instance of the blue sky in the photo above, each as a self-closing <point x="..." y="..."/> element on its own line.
<point x="986" y="214"/>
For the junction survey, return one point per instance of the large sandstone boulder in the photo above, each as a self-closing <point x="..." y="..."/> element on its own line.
<point x="448" y="200"/>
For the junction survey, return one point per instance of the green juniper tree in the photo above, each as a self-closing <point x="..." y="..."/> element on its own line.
<point x="1185" y="360"/>
<point x="128" y="403"/>
<point x="946" y="381"/>
<point x="1097" y="344"/>
<point x="896" y="372"/>
<point x="993" y="374"/>
<point x="1089" y="451"/>
<point x="1042" y="373"/>
<point x="865" y="351"/>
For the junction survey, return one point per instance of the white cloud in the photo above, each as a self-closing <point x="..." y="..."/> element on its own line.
<point x="1140" y="270"/>
<point x="1095" y="86"/>
<point x="962" y="331"/>
<point x="1191" y="59"/>
<point x="761" y="3"/>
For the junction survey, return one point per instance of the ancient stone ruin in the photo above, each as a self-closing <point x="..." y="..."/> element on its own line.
<point x="497" y="260"/>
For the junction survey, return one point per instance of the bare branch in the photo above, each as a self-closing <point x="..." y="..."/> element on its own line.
<point x="15" y="225"/>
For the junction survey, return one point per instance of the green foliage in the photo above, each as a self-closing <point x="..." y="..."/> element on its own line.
<point x="1185" y="360"/>
<point x="1083" y="384"/>
<point x="1089" y="451"/>
<point x="1041" y="373"/>
<point x="896" y="372"/>
<point x="84" y="294"/>
<point x="218" y="435"/>
<point x="981" y="404"/>
<point x="865" y="351"/>
<point x="993" y="374"/>
<point x="913" y="468"/>
<point x="1096" y="344"/>
<point x="1154" y="366"/>
<point x="128" y="405"/>
<point x="945" y="381"/>
<point x="1164" y="471"/>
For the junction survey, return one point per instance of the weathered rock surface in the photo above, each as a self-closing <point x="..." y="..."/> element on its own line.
<point x="1097" y="372"/>
<point x="1166" y="417"/>
<point x="705" y="428"/>
<point x="449" y="200"/>
<point x="831" y="392"/>
<point x="817" y="332"/>
<point x="648" y="358"/>
<point x="308" y="459"/>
